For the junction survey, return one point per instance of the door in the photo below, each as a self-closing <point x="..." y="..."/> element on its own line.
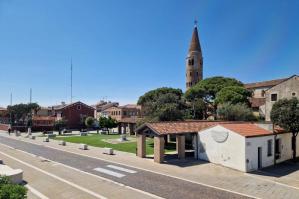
<point x="259" y="157"/>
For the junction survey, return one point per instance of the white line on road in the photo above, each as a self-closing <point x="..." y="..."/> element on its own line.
<point x="109" y="172"/>
<point x="36" y="192"/>
<point x="121" y="169"/>
<point x="140" y="168"/>
<point x="96" y="176"/>
<point x="56" y="177"/>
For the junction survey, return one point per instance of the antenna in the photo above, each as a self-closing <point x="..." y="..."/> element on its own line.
<point x="30" y="100"/>
<point x="195" y="22"/>
<point x="71" y="80"/>
<point x="10" y="99"/>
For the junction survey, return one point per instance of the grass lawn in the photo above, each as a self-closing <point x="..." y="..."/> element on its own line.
<point x="97" y="141"/>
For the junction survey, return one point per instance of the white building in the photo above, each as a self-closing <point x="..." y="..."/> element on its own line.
<point x="242" y="146"/>
<point x="245" y="147"/>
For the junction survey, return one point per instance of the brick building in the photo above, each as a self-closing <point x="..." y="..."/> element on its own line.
<point x="126" y="116"/>
<point x="74" y="114"/>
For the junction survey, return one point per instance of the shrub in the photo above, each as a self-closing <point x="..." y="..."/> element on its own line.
<point x="11" y="191"/>
<point x="89" y="121"/>
<point x="237" y="112"/>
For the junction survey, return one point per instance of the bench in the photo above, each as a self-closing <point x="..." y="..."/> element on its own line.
<point x="64" y="132"/>
<point x="83" y="146"/>
<point x="15" y="175"/>
<point x="62" y="143"/>
<point x="46" y="139"/>
<point x="32" y="137"/>
<point x="51" y="135"/>
<point x="48" y="132"/>
<point x="83" y="133"/>
<point x="108" y="151"/>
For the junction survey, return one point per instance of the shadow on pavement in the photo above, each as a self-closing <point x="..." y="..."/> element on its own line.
<point x="279" y="170"/>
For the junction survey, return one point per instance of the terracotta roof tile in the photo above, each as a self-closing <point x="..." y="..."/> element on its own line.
<point x="270" y="83"/>
<point x="247" y="129"/>
<point x="181" y="127"/>
<point x="257" y="102"/>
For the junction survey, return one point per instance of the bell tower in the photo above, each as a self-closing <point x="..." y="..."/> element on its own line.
<point x="194" y="60"/>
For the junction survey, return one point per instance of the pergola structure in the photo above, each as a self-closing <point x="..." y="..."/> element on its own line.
<point x="125" y="123"/>
<point x="160" y="130"/>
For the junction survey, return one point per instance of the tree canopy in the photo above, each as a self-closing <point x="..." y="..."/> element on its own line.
<point x="285" y="113"/>
<point x="89" y="121"/>
<point x="163" y="104"/>
<point x="233" y="95"/>
<point x="235" y="112"/>
<point x="107" y="122"/>
<point x="209" y="87"/>
<point x="21" y="112"/>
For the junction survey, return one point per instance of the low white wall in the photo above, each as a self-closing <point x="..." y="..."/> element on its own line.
<point x="229" y="153"/>
<point x="252" y="145"/>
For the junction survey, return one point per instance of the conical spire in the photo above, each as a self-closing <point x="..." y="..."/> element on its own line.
<point x="195" y="45"/>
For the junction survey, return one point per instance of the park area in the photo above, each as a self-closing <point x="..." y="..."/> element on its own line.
<point x="112" y="141"/>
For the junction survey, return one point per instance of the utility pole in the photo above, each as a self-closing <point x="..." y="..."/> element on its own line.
<point x="71" y="80"/>
<point x="10" y="110"/>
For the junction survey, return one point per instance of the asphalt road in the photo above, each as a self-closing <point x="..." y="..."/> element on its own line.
<point x="160" y="185"/>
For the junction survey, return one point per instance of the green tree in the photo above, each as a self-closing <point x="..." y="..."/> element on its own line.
<point x="207" y="90"/>
<point x="22" y="112"/>
<point x="196" y="109"/>
<point x="107" y="123"/>
<point x="163" y="104"/>
<point x="285" y="113"/>
<point x="235" y="112"/>
<point x="59" y="125"/>
<point x="233" y="95"/>
<point x="89" y="122"/>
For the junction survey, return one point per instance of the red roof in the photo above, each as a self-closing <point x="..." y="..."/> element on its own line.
<point x="257" y="102"/>
<point x="179" y="127"/>
<point x="247" y="129"/>
<point x="269" y="83"/>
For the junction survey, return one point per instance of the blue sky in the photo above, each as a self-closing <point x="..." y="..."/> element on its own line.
<point x="123" y="48"/>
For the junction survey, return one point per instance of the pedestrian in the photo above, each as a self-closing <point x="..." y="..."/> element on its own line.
<point x="9" y="130"/>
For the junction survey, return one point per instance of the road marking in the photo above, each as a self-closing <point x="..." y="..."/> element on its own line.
<point x="56" y="177"/>
<point x="121" y="169"/>
<point x="96" y="176"/>
<point x="36" y="192"/>
<point x="109" y="172"/>
<point x="143" y="169"/>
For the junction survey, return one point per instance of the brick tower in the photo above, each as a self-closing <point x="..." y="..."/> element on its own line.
<point x="194" y="61"/>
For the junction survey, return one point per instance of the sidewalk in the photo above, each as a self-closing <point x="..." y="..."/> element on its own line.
<point x="257" y="185"/>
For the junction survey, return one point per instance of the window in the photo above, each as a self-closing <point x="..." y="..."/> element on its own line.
<point x="78" y="107"/>
<point x="191" y="62"/>
<point x="269" y="153"/>
<point x="293" y="94"/>
<point x="263" y="93"/>
<point x="274" y="97"/>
